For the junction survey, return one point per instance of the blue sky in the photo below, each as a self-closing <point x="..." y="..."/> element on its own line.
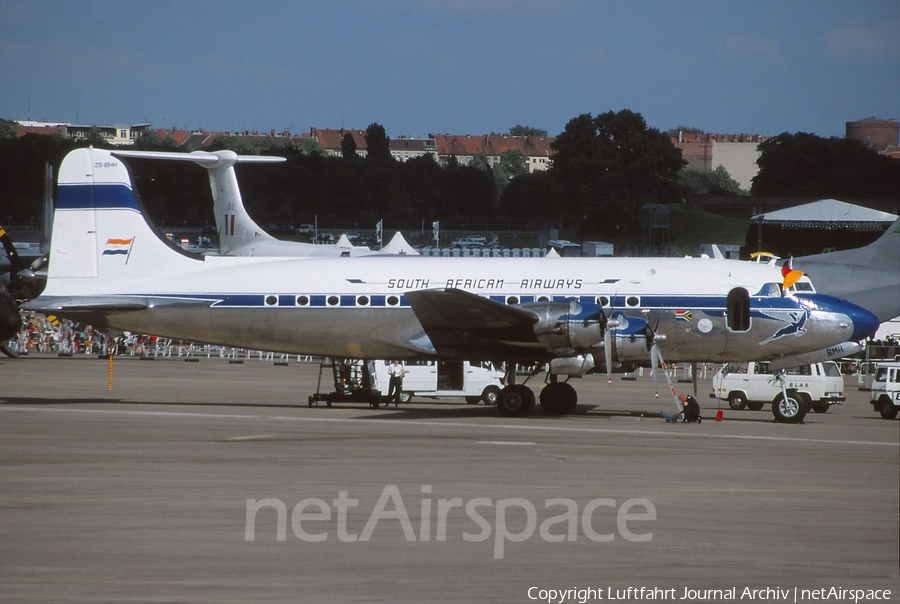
<point x="451" y="66"/>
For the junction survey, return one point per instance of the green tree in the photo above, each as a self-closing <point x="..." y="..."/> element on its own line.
<point x="149" y="140"/>
<point x="524" y="200"/>
<point x="307" y="145"/>
<point x="519" y="130"/>
<point x="606" y="168"/>
<point x="806" y="165"/>
<point x="721" y="183"/>
<point x="8" y="129"/>
<point x="348" y="146"/>
<point x="378" y="145"/>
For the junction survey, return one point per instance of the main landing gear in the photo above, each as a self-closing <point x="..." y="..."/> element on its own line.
<point x="517" y="400"/>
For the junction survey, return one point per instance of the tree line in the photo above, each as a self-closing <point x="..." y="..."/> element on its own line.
<point x="604" y="168"/>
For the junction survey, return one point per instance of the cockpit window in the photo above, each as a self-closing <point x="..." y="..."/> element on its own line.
<point x="802" y="287"/>
<point x="770" y="290"/>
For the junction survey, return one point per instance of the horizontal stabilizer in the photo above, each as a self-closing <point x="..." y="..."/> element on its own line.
<point x="203" y="158"/>
<point x="469" y="326"/>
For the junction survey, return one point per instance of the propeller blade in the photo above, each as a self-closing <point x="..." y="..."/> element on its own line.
<point x="607" y="345"/>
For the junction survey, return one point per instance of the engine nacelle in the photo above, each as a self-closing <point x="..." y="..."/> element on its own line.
<point x="629" y="339"/>
<point x="575" y="365"/>
<point x="565" y="328"/>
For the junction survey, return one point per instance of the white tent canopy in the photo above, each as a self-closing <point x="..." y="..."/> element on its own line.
<point x="399" y="245"/>
<point x="833" y="211"/>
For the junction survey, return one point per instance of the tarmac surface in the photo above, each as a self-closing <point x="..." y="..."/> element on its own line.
<point x="216" y="482"/>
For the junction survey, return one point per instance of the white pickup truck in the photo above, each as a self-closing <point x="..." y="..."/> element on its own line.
<point x="885" y="394"/>
<point x="753" y="386"/>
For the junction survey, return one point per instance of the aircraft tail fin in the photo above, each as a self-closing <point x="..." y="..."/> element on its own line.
<point x="235" y="226"/>
<point x="868" y="276"/>
<point x="100" y="230"/>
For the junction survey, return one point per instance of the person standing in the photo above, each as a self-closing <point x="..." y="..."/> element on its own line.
<point x="396" y="370"/>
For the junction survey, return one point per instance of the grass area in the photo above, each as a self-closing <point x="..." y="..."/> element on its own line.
<point x="692" y="226"/>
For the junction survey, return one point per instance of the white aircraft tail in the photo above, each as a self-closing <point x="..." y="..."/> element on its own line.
<point x="99" y="228"/>
<point x="236" y="227"/>
<point x="868" y="276"/>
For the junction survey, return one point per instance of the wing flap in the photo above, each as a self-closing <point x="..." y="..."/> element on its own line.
<point x="469" y="326"/>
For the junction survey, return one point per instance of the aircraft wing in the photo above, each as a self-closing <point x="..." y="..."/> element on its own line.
<point x="468" y="326"/>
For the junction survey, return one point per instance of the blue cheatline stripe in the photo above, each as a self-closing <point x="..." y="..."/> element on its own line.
<point x="712" y="306"/>
<point x="91" y="196"/>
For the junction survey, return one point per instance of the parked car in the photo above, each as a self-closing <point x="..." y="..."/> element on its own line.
<point x="469" y="242"/>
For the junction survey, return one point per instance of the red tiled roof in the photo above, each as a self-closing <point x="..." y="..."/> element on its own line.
<point x="331" y="139"/>
<point x="492" y="144"/>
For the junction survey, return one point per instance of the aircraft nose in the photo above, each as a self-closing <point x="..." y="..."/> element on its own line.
<point x="865" y="323"/>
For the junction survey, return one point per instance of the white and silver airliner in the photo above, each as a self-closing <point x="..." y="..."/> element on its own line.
<point x="110" y="267"/>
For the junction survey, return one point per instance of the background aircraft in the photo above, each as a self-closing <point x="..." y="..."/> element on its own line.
<point x="113" y="269"/>
<point x="239" y="234"/>
<point x="868" y="276"/>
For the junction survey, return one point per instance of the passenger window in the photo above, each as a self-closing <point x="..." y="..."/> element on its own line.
<point x="738" y="309"/>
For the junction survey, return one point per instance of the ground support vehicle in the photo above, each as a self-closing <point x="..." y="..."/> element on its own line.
<point x="792" y="393"/>
<point x="475" y="381"/>
<point x="885" y="393"/>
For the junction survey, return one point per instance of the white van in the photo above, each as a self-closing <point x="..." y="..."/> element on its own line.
<point x="476" y="380"/>
<point x="752" y="385"/>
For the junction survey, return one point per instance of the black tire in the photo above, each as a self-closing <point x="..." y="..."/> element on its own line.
<point x="886" y="408"/>
<point x="821" y="407"/>
<point x="490" y="394"/>
<point x="558" y="398"/>
<point x="737" y="401"/>
<point x="755" y="405"/>
<point x="790" y="410"/>
<point x="516" y="401"/>
<point x="405" y="397"/>
<point x="473" y="400"/>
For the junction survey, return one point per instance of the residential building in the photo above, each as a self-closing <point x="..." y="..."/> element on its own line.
<point x="464" y="147"/>
<point x="737" y="153"/>
<point x="118" y="134"/>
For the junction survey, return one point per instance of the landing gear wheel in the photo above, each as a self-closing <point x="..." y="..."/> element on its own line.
<point x="790" y="410"/>
<point x="516" y="401"/>
<point x="490" y="394"/>
<point x="558" y="398"/>
<point x="737" y="401"/>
